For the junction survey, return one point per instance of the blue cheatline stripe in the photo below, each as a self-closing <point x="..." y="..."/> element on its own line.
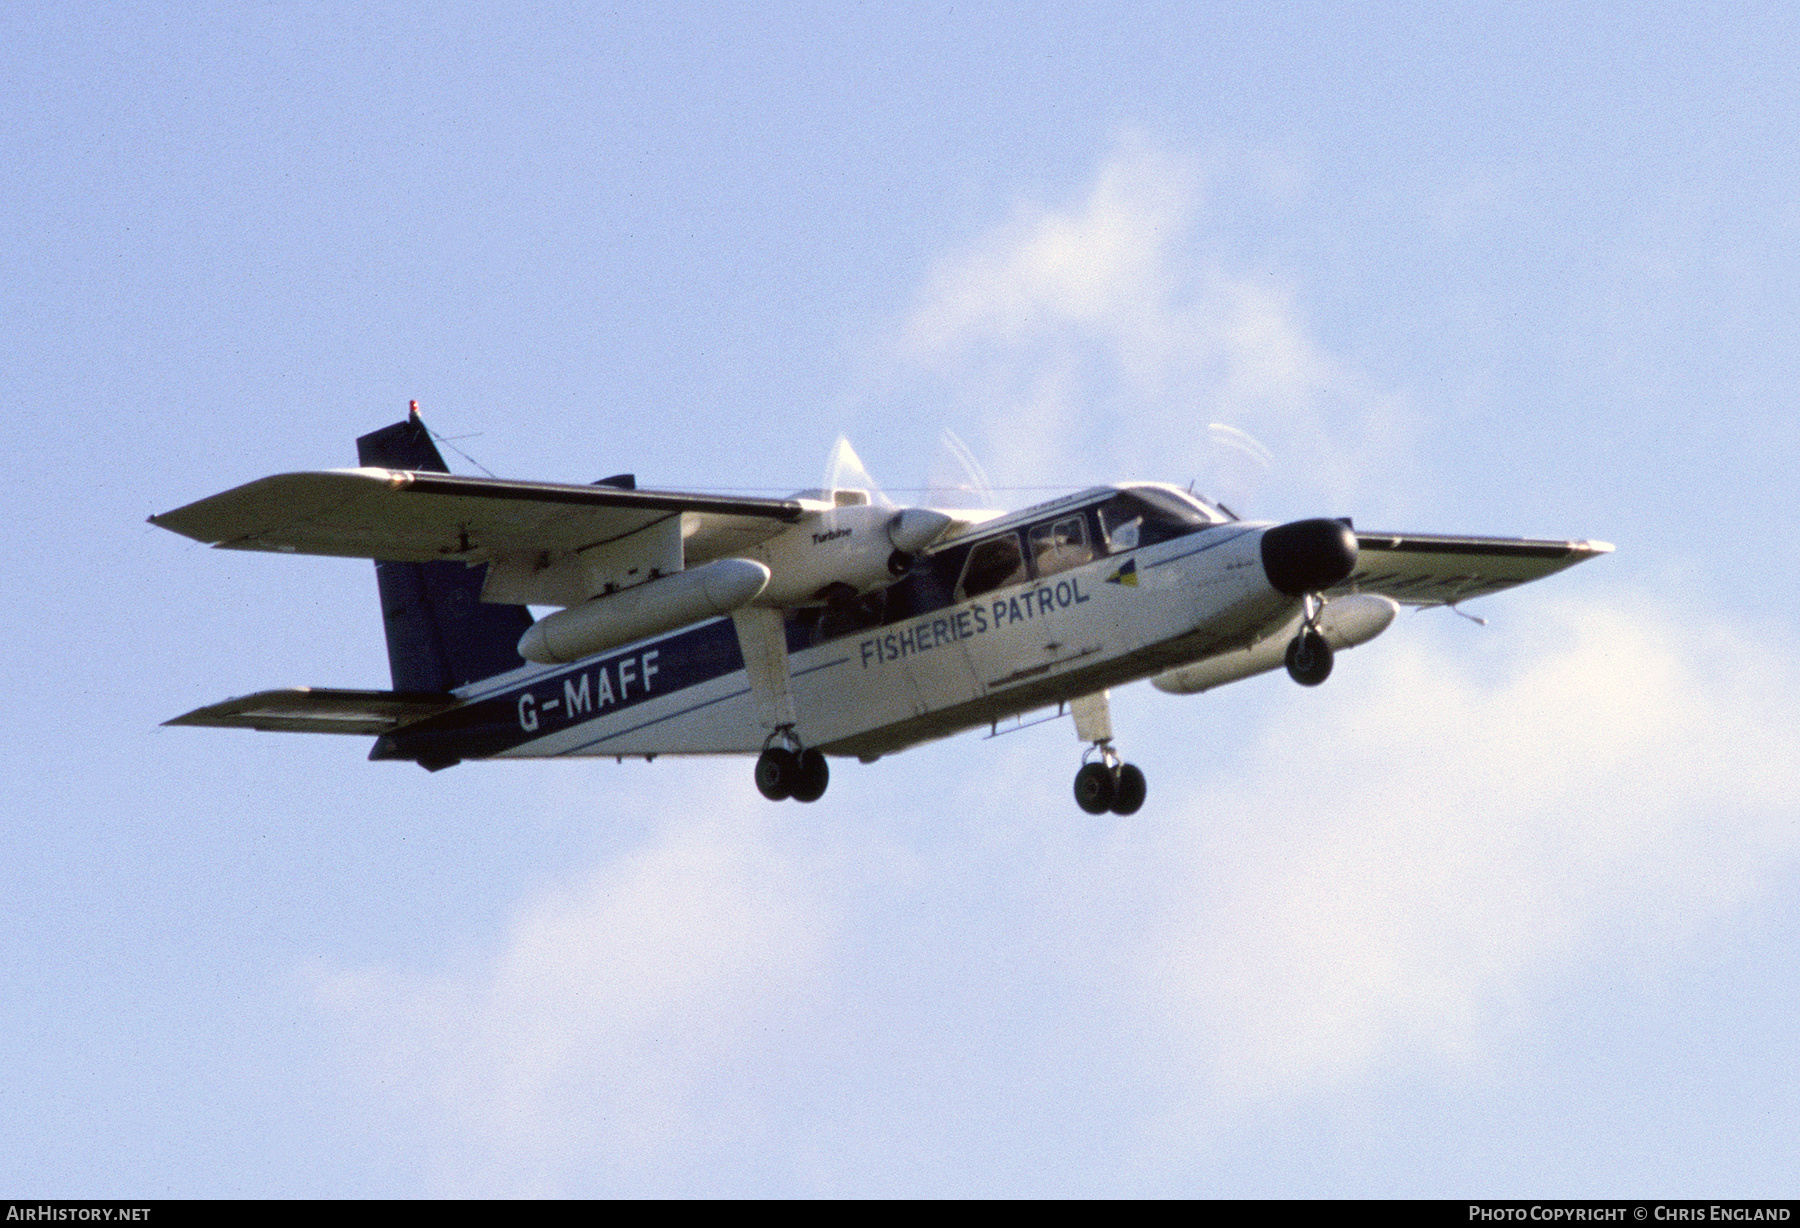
<point x="705" y="703"/>
<point x="533" y="709"/>
<point x="1186" y="554"/>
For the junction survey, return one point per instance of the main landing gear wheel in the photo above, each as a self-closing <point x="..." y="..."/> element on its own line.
<point x="782" y="773"/>
<point x="1103" y="783"/>
<point x="1128" y="789"/>
<point x="1100" y="787"/>
<point x="1309" y="658"/>
<point x="1094" y="788"/>
<point x="811" y="775"/>
<point x="777" y="772"/>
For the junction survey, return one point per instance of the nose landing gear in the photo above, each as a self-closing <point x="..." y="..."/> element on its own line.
<point x="1309" y="653"/>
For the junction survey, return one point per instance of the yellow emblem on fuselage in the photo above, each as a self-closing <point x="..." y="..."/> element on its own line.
<point x="1125" y="575"/>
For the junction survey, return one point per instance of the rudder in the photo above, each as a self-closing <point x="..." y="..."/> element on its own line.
<point x="440" y="634"/>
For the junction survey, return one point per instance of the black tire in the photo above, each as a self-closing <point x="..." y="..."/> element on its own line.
<point x="1309" y="659"/>
<point x="1094" y="788"/>
<point x="811" y="776"/>
<point x="776" y="772"/>
<point x="1128" y="790"/>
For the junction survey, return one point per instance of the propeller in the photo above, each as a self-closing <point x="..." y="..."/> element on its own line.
<point x="845" y="472"/>
<point x="859" y="540"/>
<point x="1302" y="558"/>
<point x="956" y="479"/>
<point x="848" y="484"/>
<point x="1239" y="465"/>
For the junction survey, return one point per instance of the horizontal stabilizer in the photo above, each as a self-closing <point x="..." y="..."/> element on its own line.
<point x="303" y="709"/>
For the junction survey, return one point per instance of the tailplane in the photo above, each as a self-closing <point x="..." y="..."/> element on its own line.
<point x="440" y="634"/>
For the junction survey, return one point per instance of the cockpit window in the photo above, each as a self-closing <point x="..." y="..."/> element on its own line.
<point x="992" y="564"/>
<point x="1120" y="522"/>
<point x="1059" y="545"/>
<point x="1145" y="516"/>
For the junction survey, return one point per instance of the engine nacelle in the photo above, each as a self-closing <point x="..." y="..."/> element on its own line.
<point x="1345" y="622"/>
<point x="645" y="609"/>
<point x="1308" y="556"/>
<point x="862" y="547"/>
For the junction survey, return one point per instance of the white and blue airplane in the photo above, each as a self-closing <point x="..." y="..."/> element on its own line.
<point x="826" y="624"/>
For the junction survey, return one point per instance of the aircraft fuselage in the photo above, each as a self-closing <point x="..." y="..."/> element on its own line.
<point x="879" y="688"/>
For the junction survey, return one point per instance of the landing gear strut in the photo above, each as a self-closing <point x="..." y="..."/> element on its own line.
<point x="1107" y="783"/>
<point x="785" y="769"/>
<point x="1309" y="653"/>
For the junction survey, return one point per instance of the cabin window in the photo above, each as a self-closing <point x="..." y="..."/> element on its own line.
<point x="992" y="564"/>
<point x="1059" y="545"/>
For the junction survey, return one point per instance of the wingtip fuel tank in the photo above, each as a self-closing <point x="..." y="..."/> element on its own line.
<point x="643" y="610"/>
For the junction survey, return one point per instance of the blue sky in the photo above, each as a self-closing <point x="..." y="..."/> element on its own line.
<point x="1502" y="910"/>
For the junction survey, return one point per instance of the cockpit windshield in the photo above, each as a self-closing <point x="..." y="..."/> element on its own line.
<point x="1146" y="515"/>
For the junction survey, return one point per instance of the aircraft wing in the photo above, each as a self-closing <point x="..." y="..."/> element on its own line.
<point x="304" y="709"/>
<point x="1434" y="569"/>
<point x="412" y="517"/>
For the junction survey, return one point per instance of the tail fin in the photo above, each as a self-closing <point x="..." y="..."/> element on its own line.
<point x="440" y="634"/>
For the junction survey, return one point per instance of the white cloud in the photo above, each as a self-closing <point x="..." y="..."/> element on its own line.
<point x="1413" y="855"/>
<point x="1098" y="339"/>
<point x="899" y="993"/>
<point x="945" y="986"/>
<point x="1427" y="849"/>
<point x="587" y="1043"/>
